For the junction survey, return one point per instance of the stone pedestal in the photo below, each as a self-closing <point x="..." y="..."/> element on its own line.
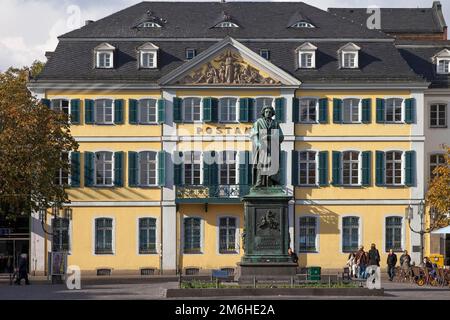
<point x="266" y="236"/>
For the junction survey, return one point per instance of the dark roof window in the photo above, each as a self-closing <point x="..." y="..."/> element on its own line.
<point x="190" y="54"/>
<point x="302" y="24"/>
<point x="149" y="25"/>
<point x="226" y="24"/>
<point x="265" y="53"/>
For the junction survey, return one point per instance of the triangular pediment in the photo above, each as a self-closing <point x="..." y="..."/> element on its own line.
<point x="229" y="63"/>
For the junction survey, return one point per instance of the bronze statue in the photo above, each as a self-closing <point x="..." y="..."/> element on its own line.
<point x="264" y="131"/>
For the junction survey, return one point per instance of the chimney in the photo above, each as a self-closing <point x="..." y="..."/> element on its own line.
<point x="437" y="5"/>
<point x="88" y="22"/>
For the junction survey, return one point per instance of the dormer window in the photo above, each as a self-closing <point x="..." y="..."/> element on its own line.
<point x="149" y="25"/>
<point x="104" y="56"/>
<point x="227" y="24"/>
<point x="148" y="56"/>
<point x="302" y="24"/>
<point x="190" y="54"/>
<point x="307" y="56"/>
<point x="442" y="60"/>
<point x="349" y="56"/>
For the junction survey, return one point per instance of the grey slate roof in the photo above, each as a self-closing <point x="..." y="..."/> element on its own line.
<point x="398" y="20"/>
<point x="194" y="20"/>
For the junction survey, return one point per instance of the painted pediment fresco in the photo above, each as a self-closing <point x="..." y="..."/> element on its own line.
<point x="228" y="68"/>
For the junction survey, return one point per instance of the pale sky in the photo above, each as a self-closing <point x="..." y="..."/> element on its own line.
<point x="28" y="28"/>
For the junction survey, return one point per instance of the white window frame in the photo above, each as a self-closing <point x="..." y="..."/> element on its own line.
<point x="112" y="169"/>
<point x="356" y="59"/>
<point x="138" y="219"/>
<point x="236" y="110"/>
<point x="191" y="158"/>
<point x="437" y="126"/>
<point x="202" y="235"/>
<point x="313" y="59"/>
<point x="113" y="236"/>
<point x="183" y="110"/>
<point x="256" y="111"/>
<point x="351" y="111"/>
<point x="60" y="171"/>
<point x="156" y="169"/>
<point x="99" y="61"/>
<point x="446" y="65"/>
<point x="402" y="170"/>
<point x="236" y="165"/>
<point x="308" y="114"/>
<point x="139" y="112"/>
<point x="303" y="24"/>
<point x="192" y="51"/>
<point x="149" y="24"/>
<point x="226" y="24"/>
<point x="402" y="110"/>
<point x="358" y="184"/>
<point x="341" y="228"/>
<point x="104" y="108"/>
<point x="142" y="60"/>
<point x="69" y="235"/>
<point x="60" y="108"/>
<point x="435" y="164"/>
<point x="316" y="163"/>
<point x="317" y="231"/>
<point x="403" y="231"/>
<point x="237" y="236"/>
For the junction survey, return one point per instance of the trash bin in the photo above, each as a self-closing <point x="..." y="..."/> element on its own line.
<point x="314" y="273"/>
<point x="438" y="259"/>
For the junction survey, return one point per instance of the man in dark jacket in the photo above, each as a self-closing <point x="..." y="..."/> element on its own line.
<point x="293" y="255"/>
<point x="391" y="262"/>
<point x="23" y="269"/>
<point x="374" y="256"/>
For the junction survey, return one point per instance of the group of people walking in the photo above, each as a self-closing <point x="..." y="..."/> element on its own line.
<point x="358" y="261"/>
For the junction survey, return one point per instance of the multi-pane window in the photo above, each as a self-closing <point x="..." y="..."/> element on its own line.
<point x="192" y="165"/>
<point x="62" y="175"/>
<point x="394" y="110"/>
<point x="350" y="168"/>
<point x="227" y="235"/>
<point x="103" y="236"/>
<point x="192" y="235"/>
<point x="307" y="168"/>
<point x="147" y="235"/>
<point x="394" y="168"/>
<point x="308" y="110"/>
<point x="148" y="60"/>
<point x="308" y="234"/>
<point x="394" y="228"/>
<point x="435" y="161"/>
<point x="443" y="66"/>
<point x="103" y="168"/>
<point x="191" y="109"/>
<point x="227" y="168"/>
<point x="438" y="115"/>
<point x="190" y="54"/>
<point x="350" y="234"/>
<point x="147" y="168"/>
<point x="349" y="60"/>
<point x="227" y="109"/>
<point x="260" y="104"/>
<point x="306" y="60"/>
<point x="351" y="110"/>
<point x="104" y="60"/>
<point x="103" y="111"/>
<point x="60" y="234"/>
<point x="147" y="111"/>
<point x="60" y="105"/>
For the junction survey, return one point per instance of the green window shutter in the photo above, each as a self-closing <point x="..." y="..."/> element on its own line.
<point x="210" y="169"/>
<point x="133" y="169"/>
<point x="323" y="110"/>
<point x="410" y="110"/>
<point x="244" y="160"/>
<point x="251" y="110"/>
<point x="280" y="106"/>
<point x="337" y="110"/>
<point x="295" y="173"/>
<point x="161" y="111"/>
<point x="75" y="111"/>
<point x="366" y="111"/>
<point x="75" y="170"/>
<point x="215" y="110"/>
<point x="89" y="169"/>
<point x="295" y="110"/>
<point x="366" y="168"/>
<point x="380" y="110"/>
<point x="162" y="168"/>
<point x="177" y="110"/>
<point x="133" y="111"/>
<point x="337" y="168"/>
<point x="89" y="111"/>
<point x="244" y="110"/>
<point x="380" y="168"/>
<point x="46" y="102"/>
<point x="410" y="168"/>
<point x="118" y="111"/>
<point x="178" y="171"/>
<point x="206" y="168"/>
<point x="282" y="169"/>
<point x="323" y="168"/>
<point x="118" y="168"/>
<point x="207" y="115"/>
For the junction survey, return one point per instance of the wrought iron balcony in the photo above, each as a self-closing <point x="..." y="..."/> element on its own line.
<point x="211" y="194"/>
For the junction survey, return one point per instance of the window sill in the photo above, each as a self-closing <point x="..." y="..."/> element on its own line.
<point x="308" y="251"/>
<point x="193" y="253"/>
<point x="228" y="252"/>
<point x="307" y="122"/>
<point x="308" y="186"/>
<point x="147" y="253"/>
<point x="104" y="253"/>
<point x="438" y="127"/>
<point x="148" y="124"/>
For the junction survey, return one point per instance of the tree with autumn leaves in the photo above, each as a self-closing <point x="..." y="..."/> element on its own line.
<point x="438" y="195"/>
<point x="32" y="140"/>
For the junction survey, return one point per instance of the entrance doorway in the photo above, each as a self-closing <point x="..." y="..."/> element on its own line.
<point x="14" y="240"/>
<point x="447" y="250"/>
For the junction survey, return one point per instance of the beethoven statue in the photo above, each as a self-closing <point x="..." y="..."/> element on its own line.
<point x="267" y="138"/>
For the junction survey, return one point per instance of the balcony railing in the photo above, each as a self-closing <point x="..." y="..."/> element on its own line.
<point x="214" y="193"/>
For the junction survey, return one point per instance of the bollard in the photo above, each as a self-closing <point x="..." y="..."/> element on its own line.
<point x="179" y="281"/>
<point x="329" y="281"/>
<point x="217" y="283"/>
<point x="254" y="282"/>
<point x="292" y="282"/>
